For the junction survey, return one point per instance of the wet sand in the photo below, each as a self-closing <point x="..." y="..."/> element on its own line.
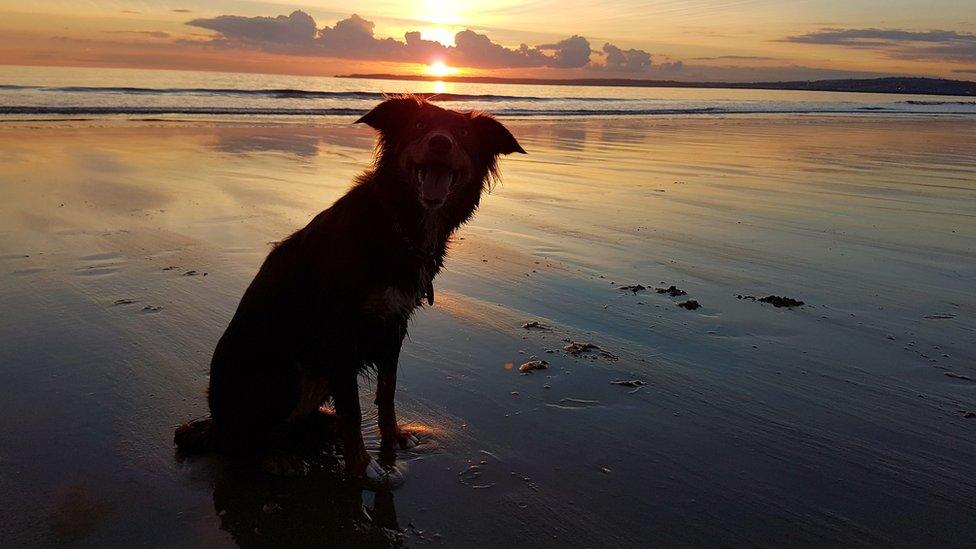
<point x="125" y="246"/>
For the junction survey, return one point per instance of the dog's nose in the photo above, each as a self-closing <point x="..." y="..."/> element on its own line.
<point x="439" y="143"/>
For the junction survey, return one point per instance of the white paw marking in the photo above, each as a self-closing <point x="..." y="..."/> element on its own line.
<point x="410" y="441"/>
<point x="374" y="471"/>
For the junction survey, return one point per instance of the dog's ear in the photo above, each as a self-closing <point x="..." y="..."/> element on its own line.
<point x="492" y="133"/>
<point x="391" y="114"/>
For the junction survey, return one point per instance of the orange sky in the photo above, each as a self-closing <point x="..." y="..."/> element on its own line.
<point x="672" y="39"/>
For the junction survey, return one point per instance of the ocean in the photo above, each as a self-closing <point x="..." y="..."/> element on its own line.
<point x="39" y="92"/>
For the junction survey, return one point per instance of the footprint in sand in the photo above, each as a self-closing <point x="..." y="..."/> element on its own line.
<point x="488" y="471"/>
<point x="102" y="264"/>
<point x="96" y="270"/>
<point x="574" y="404"/>
<point x="26" y="272"/>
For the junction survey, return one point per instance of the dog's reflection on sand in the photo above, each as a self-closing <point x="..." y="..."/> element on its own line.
<point x="320" y="509"/>
<point x="321" y="506"/>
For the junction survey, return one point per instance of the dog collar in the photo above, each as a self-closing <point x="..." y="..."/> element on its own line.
<point x="427" y="258"/>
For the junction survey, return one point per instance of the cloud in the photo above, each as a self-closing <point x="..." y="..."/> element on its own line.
<point x="477" y="50"/>
<point x="625" y="60"/>
<point x="876" y="37"/>
<point x="939" y="45"/>
<point x="957" y="53"/>
<point x="573" y="52"/>
<point x="297" y="28"/>
<point x="354" y="38"/>
<point x="150" y="34"/>
<point x="735" y="58"/>
<point x="671" y="68"/>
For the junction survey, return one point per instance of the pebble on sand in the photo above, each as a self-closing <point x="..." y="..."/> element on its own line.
<point x="533" y="365"/>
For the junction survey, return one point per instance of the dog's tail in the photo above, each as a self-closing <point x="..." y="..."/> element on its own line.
<point x="195" y="437"/>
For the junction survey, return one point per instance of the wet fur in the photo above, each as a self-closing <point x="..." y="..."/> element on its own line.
<point x="332" y="301"/>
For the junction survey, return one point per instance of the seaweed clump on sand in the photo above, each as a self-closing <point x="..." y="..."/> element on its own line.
<point x="691" y="305"/>
<point x="672" y="291"/>
<point x="774" y="300"/>
<point x="778" y="301"/>
<point x="635" y="288"/>
<point x="580" y="349"/>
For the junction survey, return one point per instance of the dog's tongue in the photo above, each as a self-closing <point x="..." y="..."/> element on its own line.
<point x="436" y="182"/>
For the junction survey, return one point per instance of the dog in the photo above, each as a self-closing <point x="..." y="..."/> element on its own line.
<point x="332" y="301"/>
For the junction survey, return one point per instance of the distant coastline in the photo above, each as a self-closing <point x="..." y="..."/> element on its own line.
<point x="895" y="85"/>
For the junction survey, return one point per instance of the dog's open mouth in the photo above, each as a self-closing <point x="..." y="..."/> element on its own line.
<point x="434" y="180"/>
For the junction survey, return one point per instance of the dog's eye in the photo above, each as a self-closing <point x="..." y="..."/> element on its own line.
<point x="420" y="125"/>
<point x="464" y="132"/>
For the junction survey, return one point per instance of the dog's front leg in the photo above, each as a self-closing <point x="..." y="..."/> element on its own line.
<point x="386" y="378"/>
<point x="385" y="396"/>
<point x="350" y="419"/>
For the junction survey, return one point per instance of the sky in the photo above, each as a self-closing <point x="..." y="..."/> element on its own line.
<point x="689" y="40"/>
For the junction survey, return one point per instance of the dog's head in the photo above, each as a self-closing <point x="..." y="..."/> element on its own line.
<point x="436" y="153"/>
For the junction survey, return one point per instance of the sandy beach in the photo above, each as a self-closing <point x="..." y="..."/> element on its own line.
<point x="850" y="420"/>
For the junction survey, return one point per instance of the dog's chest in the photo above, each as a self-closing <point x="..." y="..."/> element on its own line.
<point x="391" y="302"/>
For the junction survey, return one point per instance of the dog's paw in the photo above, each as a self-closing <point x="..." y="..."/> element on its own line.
<point x="379" y="478"/>
<point x="408" y="441"/>
<point x="374" y="471"/>
<point x="406" y="438"/>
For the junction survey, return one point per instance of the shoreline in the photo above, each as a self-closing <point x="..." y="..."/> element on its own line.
<point x="882" y="85"/>
<point x="342" y="119"/>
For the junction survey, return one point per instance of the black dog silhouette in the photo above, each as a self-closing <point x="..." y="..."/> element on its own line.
<point x="333" y="299"/>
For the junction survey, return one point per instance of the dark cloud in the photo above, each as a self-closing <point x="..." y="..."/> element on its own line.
<point x="940" y="45"/>
<point x="958" y="53"/>
<point x="477" y="50"/>
<point x="734" y="58"/>
<point x="150" y="34"/>
<point x="354" y="38"/>
<point x="571" y="53"/>
<point x="181" y="10"/>
<point x="965" y="71"/>
<point x="671" y="68"/>
<point x="876" y="37"/>
<point x="294" y="29"/>
<point x="625" y="60"/>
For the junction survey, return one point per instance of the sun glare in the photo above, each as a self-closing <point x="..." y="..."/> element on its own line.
<point x="438" y="34"/>
<point x="440" y="69"/>
<point x="444" y="12"/>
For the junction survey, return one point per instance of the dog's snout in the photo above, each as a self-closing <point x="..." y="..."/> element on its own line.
<point x="440" y="143"/>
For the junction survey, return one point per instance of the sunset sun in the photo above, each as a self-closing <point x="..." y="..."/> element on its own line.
<point x="440" y="69"/>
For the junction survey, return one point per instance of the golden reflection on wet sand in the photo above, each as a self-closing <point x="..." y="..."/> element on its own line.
<point x="126" y="245"/>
